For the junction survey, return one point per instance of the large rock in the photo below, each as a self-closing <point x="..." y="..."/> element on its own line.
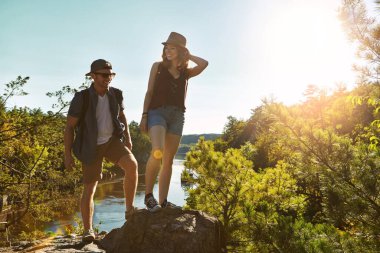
<point x="170" y="230"/>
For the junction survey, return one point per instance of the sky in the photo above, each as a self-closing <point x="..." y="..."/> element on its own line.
<point x="256" y="49"/>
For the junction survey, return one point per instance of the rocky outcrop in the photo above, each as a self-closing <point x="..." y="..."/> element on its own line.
<point x="167" y="231"/>
<point x="170" y="230"/>
<point x="62" y="244"/>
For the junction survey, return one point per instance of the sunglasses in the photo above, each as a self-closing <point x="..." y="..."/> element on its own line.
<point x="105" y="75"/>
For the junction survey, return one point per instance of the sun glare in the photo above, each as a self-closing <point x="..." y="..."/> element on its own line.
<point x="306" y="45"/>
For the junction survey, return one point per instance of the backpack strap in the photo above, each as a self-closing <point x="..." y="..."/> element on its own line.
<point x="81" y="122"/>
<point x="85" y="97"/>
<point x="118" y="95"/>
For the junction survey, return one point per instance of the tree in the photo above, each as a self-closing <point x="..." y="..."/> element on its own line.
<point x="221" y="185"/>
<point x="31" y="151"/>
<point x="366" y="33"/>
<point x="232" y="132"/>
<point x="343" y="173"/>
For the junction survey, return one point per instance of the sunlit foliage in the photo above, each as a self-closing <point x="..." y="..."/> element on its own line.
<point x="34" y="186"/>
<point x="301" y="178"/>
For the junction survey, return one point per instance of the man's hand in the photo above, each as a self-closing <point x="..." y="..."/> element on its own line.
<point x="69" y="162"/>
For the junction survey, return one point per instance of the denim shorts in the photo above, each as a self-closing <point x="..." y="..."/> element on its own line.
<point x="170" y="117"/>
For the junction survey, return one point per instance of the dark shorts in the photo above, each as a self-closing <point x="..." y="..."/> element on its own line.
<point x="112" y="150"/>
<point x="170" y="117"/>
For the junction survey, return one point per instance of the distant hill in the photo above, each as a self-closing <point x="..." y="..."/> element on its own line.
<point x="191" y="139"/>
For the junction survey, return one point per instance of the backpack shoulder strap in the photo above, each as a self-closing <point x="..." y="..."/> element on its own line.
<point x="118" y="95"/>
<point x="81" y="122"/>
<point x="86" y="97"/>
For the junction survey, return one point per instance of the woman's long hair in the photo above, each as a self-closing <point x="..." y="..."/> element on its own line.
<point x="183" y="58"/>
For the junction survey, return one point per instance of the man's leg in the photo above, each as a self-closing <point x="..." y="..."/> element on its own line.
<point x="87" y="204"/>
<point x="129" y="164"/>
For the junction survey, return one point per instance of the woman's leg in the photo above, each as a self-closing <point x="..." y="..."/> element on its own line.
<point x="157" y="137"/>
<point x="170" y="149"/>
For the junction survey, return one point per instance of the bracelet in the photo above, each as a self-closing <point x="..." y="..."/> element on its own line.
<point x="145" y="113"/>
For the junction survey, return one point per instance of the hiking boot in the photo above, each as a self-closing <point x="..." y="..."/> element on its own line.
<point x="130" y="212"/>
<point x="167" y="204"/>
<point x="88" y="236"/>
<point x="151" y="203"/>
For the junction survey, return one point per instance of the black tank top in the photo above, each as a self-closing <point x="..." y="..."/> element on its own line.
<point x="168" y="90"/>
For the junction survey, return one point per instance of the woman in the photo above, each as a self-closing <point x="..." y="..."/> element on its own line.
<point x="163" y="114"/>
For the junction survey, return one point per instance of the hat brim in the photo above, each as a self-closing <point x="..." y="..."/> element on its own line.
<point x="88" y="74"/>
<point x="173" y="43"/>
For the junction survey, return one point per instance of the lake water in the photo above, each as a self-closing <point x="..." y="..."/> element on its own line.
<point x="110" y="205"/>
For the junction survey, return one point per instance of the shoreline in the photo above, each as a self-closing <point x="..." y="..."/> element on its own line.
<point x="107" y="187"/>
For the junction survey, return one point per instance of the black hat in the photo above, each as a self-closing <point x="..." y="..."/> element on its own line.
<point x="99" y="64"/>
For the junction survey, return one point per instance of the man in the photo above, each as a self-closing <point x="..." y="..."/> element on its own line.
<point x="101" y="132"/>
